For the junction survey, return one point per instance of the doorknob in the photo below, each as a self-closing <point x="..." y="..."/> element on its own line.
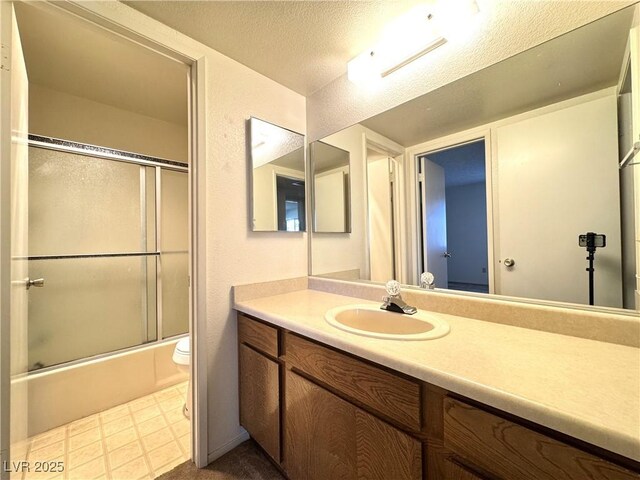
<point x="446" y="255"/>
<point x="38" y="282"/>
<point x="509" y="262"/>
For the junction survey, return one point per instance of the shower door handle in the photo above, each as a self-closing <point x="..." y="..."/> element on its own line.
<point x="38" y="282"/>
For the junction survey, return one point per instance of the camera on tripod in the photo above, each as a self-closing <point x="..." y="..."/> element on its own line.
<point x="591" y="241"/>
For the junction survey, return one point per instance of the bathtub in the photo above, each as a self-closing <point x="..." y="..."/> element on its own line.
<point x="63" y="394"/>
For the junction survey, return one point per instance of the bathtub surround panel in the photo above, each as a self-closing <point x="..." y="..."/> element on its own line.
<point x="70" y="393"/>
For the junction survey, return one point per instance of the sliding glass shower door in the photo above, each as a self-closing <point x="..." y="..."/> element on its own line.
<point x="95" y="239"/>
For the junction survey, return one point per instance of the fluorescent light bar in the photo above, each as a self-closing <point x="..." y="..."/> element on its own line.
<point x="417" y="32"/>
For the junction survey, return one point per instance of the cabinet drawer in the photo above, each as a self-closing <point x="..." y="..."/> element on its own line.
<point x="512" y="451"/>
<point x="258" y="335"/>
<point x="390" y="395"/>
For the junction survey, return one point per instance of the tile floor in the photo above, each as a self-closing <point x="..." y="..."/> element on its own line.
<point x="141" y="439"/>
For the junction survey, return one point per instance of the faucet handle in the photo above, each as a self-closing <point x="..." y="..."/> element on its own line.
<point x="427" y="279"/>
<point x="393" y="288"/>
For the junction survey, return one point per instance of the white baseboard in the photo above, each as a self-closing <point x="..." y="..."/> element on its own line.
<point x="227" y="447"/>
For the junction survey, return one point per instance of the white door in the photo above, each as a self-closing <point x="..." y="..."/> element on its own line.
<point x="14" y="217"/>
<point x="434" y="222"/>
<point x="549" y="169"/>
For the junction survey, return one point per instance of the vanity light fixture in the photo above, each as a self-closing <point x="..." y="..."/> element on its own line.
<point x="417" y="32"/>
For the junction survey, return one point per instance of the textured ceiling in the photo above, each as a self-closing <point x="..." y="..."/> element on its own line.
<point x="582" y="61"/>
<point x="76" y="57"/>
<point x="302" y="45"/>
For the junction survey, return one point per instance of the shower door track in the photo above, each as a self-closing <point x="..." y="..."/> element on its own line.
<point x="56" y="144"/>
<point x="52" y="143"/>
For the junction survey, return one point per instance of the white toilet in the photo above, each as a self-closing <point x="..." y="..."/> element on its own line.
<point x="182" y="358"/>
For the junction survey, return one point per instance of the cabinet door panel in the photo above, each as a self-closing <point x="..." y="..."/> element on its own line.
<point x="260" y="400"/>
<point x="320" y="433"/>
<point x="384" y="452"/>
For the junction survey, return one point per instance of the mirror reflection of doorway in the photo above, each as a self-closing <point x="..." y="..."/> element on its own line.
<point x="380" y="216"/>
<point x="291" y="205"/>
<point x="454" y="217"/>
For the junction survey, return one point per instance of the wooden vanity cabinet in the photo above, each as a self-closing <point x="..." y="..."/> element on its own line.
<point x="322" y="413"/>
<point x="259" y="372"/>
<point x="328" y="437"/>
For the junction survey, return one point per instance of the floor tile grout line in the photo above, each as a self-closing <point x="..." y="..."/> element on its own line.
<point x="103" y="439"/>
<point x="67" y="438"/>
<point x="169" y="426"/>
<point x="139" y="438"/>
<point x="157" y="403"/>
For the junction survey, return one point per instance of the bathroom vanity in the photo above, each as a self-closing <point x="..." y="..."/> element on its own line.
<point x="327" y="404"/>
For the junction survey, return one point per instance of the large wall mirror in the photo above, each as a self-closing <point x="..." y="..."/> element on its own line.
<point x="277" y="165"/>
<point x="505" y="181"/>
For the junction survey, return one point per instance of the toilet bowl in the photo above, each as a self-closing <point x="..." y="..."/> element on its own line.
<point x="182" y="358"/>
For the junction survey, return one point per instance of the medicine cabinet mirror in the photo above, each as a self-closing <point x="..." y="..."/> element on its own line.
<point x="277" y="165"/>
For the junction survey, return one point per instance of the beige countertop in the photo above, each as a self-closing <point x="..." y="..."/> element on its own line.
<point x="584" y="388"/>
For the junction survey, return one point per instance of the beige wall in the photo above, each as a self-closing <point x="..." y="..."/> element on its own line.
<point x="507" y="28"/>
<point x="60" y="115"/>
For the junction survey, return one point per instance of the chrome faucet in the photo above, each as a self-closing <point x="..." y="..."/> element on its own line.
<point x="427" y="281"/>
<point x="394" y="302"/>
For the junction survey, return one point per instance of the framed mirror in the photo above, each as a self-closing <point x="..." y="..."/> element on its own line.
<point x="277" y="164"/>
<point x="504" y="182"/>
<point x="330" y="170"/>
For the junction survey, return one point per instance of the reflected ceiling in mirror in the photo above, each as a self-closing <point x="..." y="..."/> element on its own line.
<point x="277" y="178"/>
<point x="488" y="182"/>
<point x="331" y="188"/>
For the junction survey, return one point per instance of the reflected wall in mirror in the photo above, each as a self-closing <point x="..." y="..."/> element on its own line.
<point x="277" y="178"/>
<point x="331" y="188"/>
<point x="488" y="182"/>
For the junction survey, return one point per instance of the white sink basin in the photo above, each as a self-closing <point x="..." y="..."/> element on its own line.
<point x="370" y="321"/>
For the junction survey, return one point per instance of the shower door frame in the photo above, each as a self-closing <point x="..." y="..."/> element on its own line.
<point x="120" y="20"/>
<point x="110" y="154"/>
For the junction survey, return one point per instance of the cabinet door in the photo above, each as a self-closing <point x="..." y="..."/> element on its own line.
<point x="320" y="432"/>
<point x="384" y="452"/>
<point x="327" y="437"/>
<point x="260" y="400"/>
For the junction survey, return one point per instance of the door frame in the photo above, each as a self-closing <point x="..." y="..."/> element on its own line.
<point x="396" y="156"/>
<point x="414" y="198"/>
<point x="119" y="19"/>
